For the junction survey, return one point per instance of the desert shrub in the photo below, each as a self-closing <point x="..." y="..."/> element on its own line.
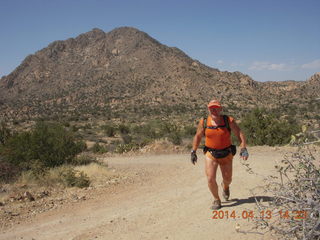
<point x="47" y="145"/>
<point x="17" y="150"/>
<point x="175" y="138"/>
<point x="84" y="159"/>
<point x="87" y="126"/>
<point x="65" y="123"/>
<point x="264" y="128"/>
<point x="135" y="136"/>
<point x="5" y="133"/>
<point x="147" y="130"/>
<point x="126" y="138"/>
<point x="123" y="129"/>
<point x="122" y="148"/>
<point x="98" y="173"/>
<point x="189" y="131"/>
<point x="74" y="128"/>
<point x="172" y="131"/>
<point x="109" y="130"/>
<point x="97" y="148"/>
<point x="295" y="194"/>
<point x="73" y="178"/>
<point x="7" y="170"/>
<point x="38" y="168"/>
<point x="65" y="176"/>
<point x="167" y="128"/>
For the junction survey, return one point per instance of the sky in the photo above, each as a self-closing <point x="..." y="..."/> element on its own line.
<point x="270" y="40"/>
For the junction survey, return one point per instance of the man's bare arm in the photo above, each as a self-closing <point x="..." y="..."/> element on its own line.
<point x="242" y="139"/>
<point x="198" y="136"/>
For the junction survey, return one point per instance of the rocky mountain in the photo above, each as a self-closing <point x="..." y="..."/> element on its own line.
<point x="126" y="72"/>
<point x="313" y="85"/>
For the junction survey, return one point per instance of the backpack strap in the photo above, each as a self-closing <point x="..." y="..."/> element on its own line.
<point x="204" y="123"/>
<point x="226" y="120"/>
<point x="226" y="124"/>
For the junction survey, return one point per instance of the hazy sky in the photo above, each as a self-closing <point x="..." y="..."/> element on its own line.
<point x="267" y="39"/>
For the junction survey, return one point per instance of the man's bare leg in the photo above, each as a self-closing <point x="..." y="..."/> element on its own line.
<point x="211" y="167"/>
<point x="226" y="171"/>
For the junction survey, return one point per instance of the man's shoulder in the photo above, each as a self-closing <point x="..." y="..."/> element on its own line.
<point x="230" y="118"/>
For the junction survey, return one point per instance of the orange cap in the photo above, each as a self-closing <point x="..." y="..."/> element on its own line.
<point x="214" y="104"/>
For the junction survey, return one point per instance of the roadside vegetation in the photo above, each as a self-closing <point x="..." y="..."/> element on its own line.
<point x="65" y="154"/>
<point x="268" y="128"/>
<point x="295" y="192"/>
<point x="50" y="151"/>
<point x="36" y="152"/>
<point x="60" y="145"/>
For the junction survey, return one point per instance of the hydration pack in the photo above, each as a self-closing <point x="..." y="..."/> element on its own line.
<point x="226" y="124"/>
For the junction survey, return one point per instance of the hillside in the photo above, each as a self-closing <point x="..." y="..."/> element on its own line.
<point x="126" y="72"/>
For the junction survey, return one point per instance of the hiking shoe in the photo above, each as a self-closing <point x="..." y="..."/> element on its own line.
<point x="216" y="205"/>
<point x="225" y="193"/>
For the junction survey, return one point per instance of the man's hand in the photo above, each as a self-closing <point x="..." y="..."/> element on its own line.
<point x="244" y="153"/>
<point x="193" y="157"/>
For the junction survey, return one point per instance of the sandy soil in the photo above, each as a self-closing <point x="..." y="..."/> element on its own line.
<point x="170" y="200"/>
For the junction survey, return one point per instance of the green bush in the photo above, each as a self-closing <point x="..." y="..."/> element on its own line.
<point x="97" y="148"/>
<point x="47" y="145"/>
<point x="264" y="128"/>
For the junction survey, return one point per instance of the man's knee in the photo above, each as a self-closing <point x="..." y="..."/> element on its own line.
<point x="227" y="179"/>
<point x="211" y="178"/>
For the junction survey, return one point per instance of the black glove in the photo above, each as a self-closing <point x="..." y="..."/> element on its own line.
<point x="244" y="152"/>
<point x="193" y="157"/>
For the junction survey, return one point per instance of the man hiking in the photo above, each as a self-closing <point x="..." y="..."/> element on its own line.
<point x="218" y="149"/>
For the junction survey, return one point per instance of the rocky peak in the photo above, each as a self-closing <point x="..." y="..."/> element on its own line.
<point x="100" y="73"/>
<point x="315" y="78"/>
<point x="129" y="32"/>
<point x="93" y="35"/>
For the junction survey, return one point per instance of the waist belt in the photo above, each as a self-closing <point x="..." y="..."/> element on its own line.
<point x="220" y="153"/>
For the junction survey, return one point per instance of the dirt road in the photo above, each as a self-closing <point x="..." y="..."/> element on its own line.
<point x="170" y="201"/>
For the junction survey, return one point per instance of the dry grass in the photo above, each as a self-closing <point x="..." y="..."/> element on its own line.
<point x="98" y="173"/>
<point x="62" y="176"/>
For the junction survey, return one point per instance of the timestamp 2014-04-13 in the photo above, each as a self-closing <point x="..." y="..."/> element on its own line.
<point x="263" y="214"/>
